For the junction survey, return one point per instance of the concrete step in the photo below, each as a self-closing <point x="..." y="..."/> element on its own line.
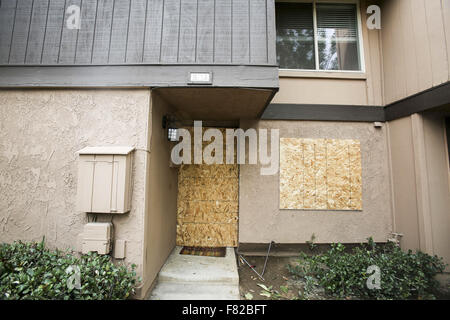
<point x="186" y="277"/>
<point x="191" y="291"/>
<point x="198" y="269"/>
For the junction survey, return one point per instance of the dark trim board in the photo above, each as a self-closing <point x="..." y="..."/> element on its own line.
<point x="429" y="99"/>
<point x="320" y="112"/>
<point x="426" y="100"/>
<point x="263" y="77"/>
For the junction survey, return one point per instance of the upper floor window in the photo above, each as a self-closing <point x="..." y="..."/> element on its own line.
<point x="318" y="36"/>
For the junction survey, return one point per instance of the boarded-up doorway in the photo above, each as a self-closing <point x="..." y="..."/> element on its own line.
<point x="207" y="214"/>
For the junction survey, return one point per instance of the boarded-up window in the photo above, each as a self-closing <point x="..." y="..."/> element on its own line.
<point x="320" y="174"/>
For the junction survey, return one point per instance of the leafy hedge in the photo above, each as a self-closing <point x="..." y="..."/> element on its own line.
<point x="31" y="271"/>
<point x="343" y="274"/>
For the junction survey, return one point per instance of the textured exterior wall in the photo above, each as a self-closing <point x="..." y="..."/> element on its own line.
<point x="262" y="221"/>
<point x="40" y="132"/>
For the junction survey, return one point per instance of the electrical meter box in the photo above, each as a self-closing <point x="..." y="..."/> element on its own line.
<point x="104" y="179"/>
<point x="96" y="236"/>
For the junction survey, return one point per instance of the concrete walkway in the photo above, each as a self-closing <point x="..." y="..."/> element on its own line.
<point x="186" y="277"/>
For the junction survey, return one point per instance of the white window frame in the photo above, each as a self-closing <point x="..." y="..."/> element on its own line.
<point x="316" y="47"/>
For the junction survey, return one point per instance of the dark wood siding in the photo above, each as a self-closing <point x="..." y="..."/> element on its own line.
<point x="7" y="16"/>
<point x="36" y="36"/>
<point x="20" y="35"/>
<point x="52" y="33"/>
<point x="34" y="32"/>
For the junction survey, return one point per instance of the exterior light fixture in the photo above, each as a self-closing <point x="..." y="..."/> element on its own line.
<point x="168" y="123"/>
<point x="172" y="134"/>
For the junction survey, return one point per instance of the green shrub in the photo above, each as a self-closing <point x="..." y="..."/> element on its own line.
<point x="31" y="271"/>
<point x="404" y="275"/>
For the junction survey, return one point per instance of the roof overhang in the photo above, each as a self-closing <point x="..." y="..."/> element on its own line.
<point x="217" y="104"/>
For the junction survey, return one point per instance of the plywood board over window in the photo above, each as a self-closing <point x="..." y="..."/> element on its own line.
<point x="320" y="174"/>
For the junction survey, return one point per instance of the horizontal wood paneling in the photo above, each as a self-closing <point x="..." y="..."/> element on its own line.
<point x="136" y="76"/>
<point x="34" y="32"/>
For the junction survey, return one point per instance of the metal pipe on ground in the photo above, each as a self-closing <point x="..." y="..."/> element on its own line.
<point x="265" y="262"/>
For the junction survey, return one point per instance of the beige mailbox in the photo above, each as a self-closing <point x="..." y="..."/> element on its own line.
<point x="104" y="179"/>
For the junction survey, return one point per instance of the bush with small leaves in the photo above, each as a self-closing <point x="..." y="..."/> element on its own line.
<point x="343" y="274"/>
<point x="33" y="272"/>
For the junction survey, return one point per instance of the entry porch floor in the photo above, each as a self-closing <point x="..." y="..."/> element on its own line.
<point x="188" y="277"/>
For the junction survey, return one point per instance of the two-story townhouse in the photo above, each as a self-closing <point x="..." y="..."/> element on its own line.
<point x="362" y="120"/>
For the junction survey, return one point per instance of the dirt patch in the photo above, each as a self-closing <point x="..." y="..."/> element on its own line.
<point x="278" y="282"/>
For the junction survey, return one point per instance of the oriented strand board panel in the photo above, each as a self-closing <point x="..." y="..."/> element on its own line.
<point x="207" y="213"/>
<point x="207" y="235"/>
<point x="320" y="174"/>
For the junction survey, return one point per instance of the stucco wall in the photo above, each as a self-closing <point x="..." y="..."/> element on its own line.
<point x="261" y="220"/>
<point x="40" y="132"/>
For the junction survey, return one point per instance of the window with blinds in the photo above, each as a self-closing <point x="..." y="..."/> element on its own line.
<point x="337" y="37"/>
<point x="295" y="35"/>
<point x="335" y="33"/>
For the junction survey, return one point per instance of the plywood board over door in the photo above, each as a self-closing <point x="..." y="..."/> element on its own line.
<point x="207" y="213"/>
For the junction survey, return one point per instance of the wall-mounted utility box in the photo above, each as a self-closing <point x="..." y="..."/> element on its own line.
<point x="119" y="249"/>
<point x="104" y="179"/>
<point x="96" y="236"/>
